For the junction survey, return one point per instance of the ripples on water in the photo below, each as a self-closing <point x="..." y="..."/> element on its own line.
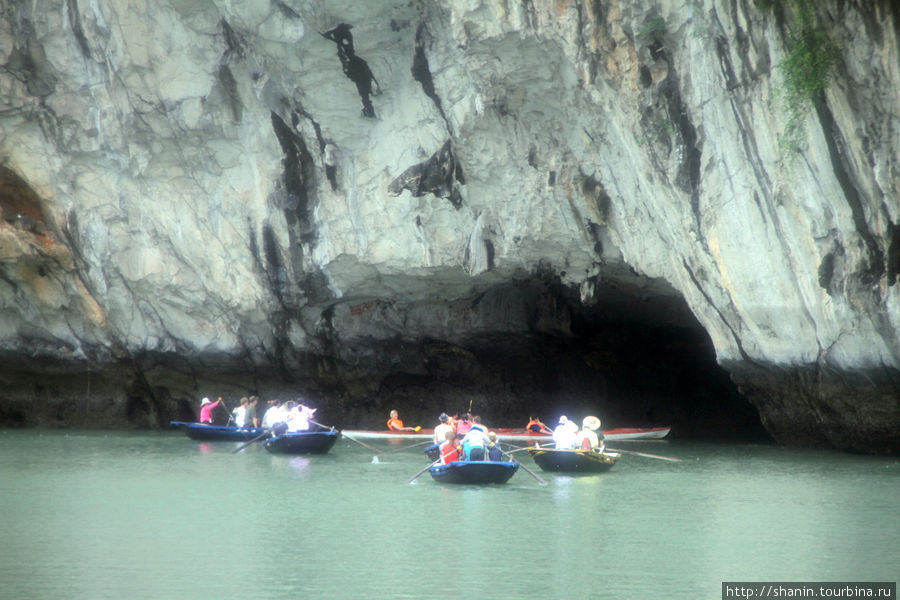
<point x="87" y="515"/>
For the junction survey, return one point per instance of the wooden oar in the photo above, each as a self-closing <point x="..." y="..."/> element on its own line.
<point x="275" y="428"/>
<point x="516" y="446"/>
<point x="344" y="434"/>
<point x="537" y="447"/>
<point x="416" y="476"/>
<point x="524" y="468"/>
<point x="228" y="412"/>
<point x="656" y="456"/>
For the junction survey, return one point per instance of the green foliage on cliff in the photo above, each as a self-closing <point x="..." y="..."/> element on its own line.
<point x="805" y="70"/>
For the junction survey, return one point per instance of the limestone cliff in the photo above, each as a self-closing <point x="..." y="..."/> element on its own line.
<point x="375" y="202"/>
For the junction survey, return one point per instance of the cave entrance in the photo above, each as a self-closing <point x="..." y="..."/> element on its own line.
<point x="657" y="363"/>
<point x="632" y="353"/>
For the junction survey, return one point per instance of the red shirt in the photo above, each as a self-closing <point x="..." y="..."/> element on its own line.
<point x="449" y="452"/>
<point x="395" y="424"/>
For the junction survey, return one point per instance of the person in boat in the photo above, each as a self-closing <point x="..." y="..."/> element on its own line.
<point x="250" y="418"/>
<point x="206" y="410"/>
<point x="494" y="452"/>
<point x="395" y="424"/>
<point x="535" y="426"/>
<point x="475" y="441"/>
<point x="564" y="434"/>
<point x="441" y="429"/>
<point x="299" y="417"/>
<point x="590" y="437"/>
<point x="274" y="414"/>
<point x="463" y="425"/>
<point x="450" y="449"/>
<point x="240" y="413"/>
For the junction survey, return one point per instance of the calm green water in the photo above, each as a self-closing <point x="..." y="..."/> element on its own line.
<point x="87" y="515"/>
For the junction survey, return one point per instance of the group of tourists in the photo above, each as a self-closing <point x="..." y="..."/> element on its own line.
<point x="460" y="437"/>
<point x="295" y="415"/>
<point x="464" y="437"/>
<point x="569" y="436"/>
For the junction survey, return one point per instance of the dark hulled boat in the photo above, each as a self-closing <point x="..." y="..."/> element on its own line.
<point x="475" y="471"/>
<point x="573" y="461"/>
<point x="303" y="442"/>
<point x="218" y="433"/>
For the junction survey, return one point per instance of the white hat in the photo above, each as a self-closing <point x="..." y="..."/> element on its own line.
<point x="564" y="419"/>
<point x="204" y="402"/>
<point x="592" y="423"/>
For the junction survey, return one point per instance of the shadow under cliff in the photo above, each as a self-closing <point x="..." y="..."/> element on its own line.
<point x="613" y="359"/>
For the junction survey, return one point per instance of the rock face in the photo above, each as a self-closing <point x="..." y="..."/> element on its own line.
<point x="438" y="203"/>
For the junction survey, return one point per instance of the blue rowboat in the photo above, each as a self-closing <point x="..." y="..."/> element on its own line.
<point x="303" y="442"/>
<point x="218" y="433"/>
<point x="474" y="471"/>
<point x="433" y="452"/>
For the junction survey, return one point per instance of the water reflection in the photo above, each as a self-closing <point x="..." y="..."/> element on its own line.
<point x="299" y="465"/>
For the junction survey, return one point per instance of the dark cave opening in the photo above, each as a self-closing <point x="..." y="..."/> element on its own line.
<point x="634" y="355"/>
<point x="628" y="374"/>
<point x="656" y="362"/>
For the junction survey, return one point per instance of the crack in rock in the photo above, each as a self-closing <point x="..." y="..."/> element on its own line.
<point x="355" y="68"/>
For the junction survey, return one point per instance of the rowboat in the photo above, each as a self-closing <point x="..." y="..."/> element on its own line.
<point x="573" y="461"/>
<point x="519" y="435"/>
<point x="474" y="471"/>
<point x="303" y="442"/>
<point x="636" y="433"/>
<point x="217" y="433"/>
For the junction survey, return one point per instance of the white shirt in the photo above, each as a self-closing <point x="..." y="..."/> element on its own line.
<point x="240" y="416"/>
<point x="476" y="438"/>
<point x="273" y="415"/>
<point x="440" y="432"/>
<point x="564" y="437"/>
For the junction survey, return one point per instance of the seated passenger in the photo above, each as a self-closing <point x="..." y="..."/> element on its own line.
<point x="299" y="416"/>
<point x="450" y="448"/>
<point x="475" y="440"/>
<point x="441" y="429"/>
<point x="274" y="414"/>
<point x="494" y="452"/>
<point x="463" y="425"/>
<point x="589" y="438"/>
<point x="535" y="426"/>
<point x="564" y="434"/>
<point x="395" y="424"/>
